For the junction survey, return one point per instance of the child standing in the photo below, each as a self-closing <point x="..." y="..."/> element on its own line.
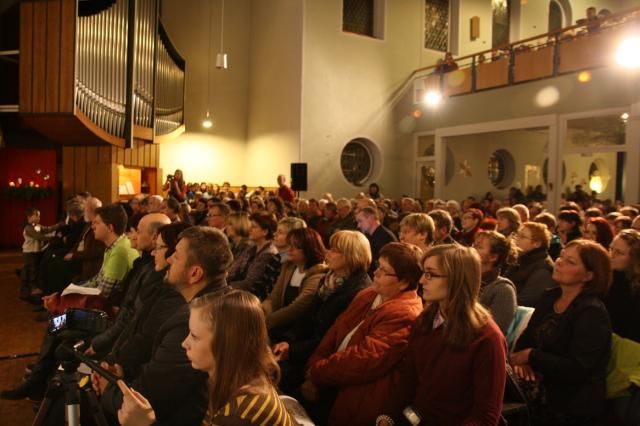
<point x="35" y="239"/>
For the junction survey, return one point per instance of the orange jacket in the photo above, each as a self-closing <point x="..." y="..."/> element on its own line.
<point x="364" y="372"/>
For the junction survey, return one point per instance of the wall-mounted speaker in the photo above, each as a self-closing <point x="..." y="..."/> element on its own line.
<point x="299" y="176"/>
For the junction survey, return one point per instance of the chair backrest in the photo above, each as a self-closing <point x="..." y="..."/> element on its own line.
<point x="296" y="411"/>
<point x="517" y="326"/>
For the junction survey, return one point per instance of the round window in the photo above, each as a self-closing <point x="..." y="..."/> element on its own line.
<point x="501" y="169"/>
<point x="356" y="161"/>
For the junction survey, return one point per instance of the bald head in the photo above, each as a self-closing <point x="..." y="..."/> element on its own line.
<point x="148" y="229"/>
<point x="90" y="206"/>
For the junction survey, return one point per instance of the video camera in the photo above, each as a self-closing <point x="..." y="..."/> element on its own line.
<point x="86" y="321"/>
<point x="169" y="177"/>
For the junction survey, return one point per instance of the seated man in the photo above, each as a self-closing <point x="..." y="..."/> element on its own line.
<point x="177" y="392"/>
<point x="109" y="226"/>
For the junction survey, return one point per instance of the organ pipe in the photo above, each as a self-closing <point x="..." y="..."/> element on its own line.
<point x="128" y="73"/>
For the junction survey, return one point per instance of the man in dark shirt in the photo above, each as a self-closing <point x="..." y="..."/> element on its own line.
<point x="177" y="392"/>
<point x="377" y="234"/>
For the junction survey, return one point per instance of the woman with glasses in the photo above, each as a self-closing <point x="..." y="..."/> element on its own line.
<point x="565" y="348"/>
<point x="623" y="299"/>
<point x="348" y="260"/>
<point x="354" y="362"/>
<point x="454" y="369"/>
<point x="471" y="220"/>
<point x="497" y="293"/>
<point x="295" y="288"/>
<point x="532" y="272"/>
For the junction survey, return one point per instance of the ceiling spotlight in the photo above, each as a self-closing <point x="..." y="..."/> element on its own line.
<point x="207" y="123"/>
<point x="628" y="53"/>
<point x="625" y="116"/>
<point x="432" y="98"/>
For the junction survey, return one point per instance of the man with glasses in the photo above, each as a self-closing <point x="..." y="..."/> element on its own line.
<point x="217" y="216"/>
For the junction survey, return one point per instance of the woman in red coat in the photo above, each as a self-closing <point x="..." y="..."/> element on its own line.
<point x="359" y="354"/>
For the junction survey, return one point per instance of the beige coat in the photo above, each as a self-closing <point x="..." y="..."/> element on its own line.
<point x="281" y="316"/>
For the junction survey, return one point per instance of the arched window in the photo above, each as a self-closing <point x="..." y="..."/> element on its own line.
<point x="555" y="16"/>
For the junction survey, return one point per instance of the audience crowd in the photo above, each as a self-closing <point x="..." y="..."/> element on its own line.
<point x="260" y="308"/>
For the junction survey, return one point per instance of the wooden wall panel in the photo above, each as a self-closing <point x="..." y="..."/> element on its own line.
<point x="68" y="181"/>
<point x="26" y="55"/>
<point x="119" y="155"/>
<point x="67" y="55"/>
<point x="155" y="157"/>
<point x="39" y="56"/>
<point x="104" y="155"/>
<point x="92" y="157"/>
<point x="52" y="77"/>
<point x="80" y="168"/>
<point x="127" y="157"/>
<point x="147" y="154"/>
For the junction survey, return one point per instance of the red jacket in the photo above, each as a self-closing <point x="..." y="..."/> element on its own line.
<point x="364" y="372"/>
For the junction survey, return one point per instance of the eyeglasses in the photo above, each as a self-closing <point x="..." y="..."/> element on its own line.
<point x="384" y="273"/>
<point x="428" y="275"/>
<point x="522" y="236"/>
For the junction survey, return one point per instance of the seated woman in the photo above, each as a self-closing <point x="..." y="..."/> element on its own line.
<point x="285" y="225"/>
<point x="497" y="293"/>
<point x="623" y="299"/>
<point x="348" y="260"/>
<point x="359" y="353"/>
<point x="417" y="229"/>
<point x="237" y="230"/>
<point x="532" y="272"/>
<point x="566" y="345"/>
<point x="296" y="287"/>
<point x="471" y="220"/>
<point x="243" y="392"/>
<point x="257" y="268"/>
<point x="454" y="370"/>
<point x="508" y="221"/>
<point x="597" y="229"/>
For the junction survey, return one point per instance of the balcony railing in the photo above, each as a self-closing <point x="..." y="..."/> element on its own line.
<point x="571" y="49"/>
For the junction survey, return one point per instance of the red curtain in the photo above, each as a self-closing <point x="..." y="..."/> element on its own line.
<point x="29" y="165"/>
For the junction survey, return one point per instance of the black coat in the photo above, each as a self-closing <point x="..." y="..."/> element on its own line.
<point x="623" y="304"/>
<point x="573" y="357"/>
<point x="143" y="269"/>
<point x="304" y="337"/>
<point x="531" y="276"/>
<point x="177" y="392"/>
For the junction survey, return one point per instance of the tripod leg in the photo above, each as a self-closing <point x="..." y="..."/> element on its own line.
<point x="94" y="406"/>
<point x="55" y="390"/>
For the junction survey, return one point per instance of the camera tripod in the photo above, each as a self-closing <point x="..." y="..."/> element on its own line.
<point x="65" y="385"/>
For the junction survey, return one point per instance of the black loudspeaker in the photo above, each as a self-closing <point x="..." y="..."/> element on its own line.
<point x="299" y="176"/>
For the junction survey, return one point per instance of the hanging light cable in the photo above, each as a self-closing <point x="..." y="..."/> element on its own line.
<point x="207" y="123"/>
<point x="221" y="57"/>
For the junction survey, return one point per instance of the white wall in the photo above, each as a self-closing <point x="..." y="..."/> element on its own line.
<point x="349" y="82"/>
<point x="526" y="147"/>
<point x="275" y="85"/>
<point x="217" y="154"/>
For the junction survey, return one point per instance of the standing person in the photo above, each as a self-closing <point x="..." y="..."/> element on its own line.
<point x="377" y="234"/>
<point x="284" y="191"/>
<point x="35" y="239"/>
<point x="566" y="346"/>
<point x="175" y="186"/>
<point x="454" y="371"/>
<point x="228" y="340"/>
<point x="623" y="298"/>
